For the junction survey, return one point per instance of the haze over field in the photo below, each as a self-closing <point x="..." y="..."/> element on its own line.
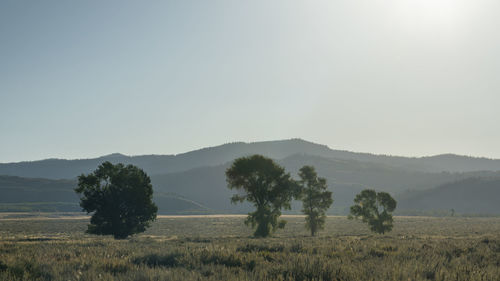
<point x="249" y="140"/>
<point x="400" y="77"/>
<point x="171" y="81"/>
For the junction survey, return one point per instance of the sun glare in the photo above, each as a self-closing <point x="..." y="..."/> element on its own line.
<point x="422" y="15"/>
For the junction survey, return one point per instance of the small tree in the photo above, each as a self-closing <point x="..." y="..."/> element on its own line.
<point x="264" y="184"/>
<point x="375" y="209"/>
<point x="119" y="198"/>
<point x="316" y="199"/>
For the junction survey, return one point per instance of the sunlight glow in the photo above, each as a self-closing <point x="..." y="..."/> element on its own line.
<point x="422" y="15"/>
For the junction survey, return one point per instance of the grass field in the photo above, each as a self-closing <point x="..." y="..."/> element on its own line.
<point x="221" y="248"/>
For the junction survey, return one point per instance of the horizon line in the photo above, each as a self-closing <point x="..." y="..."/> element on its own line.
<point x="116" y="154"/>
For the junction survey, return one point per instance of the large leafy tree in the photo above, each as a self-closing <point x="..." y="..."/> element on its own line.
<point x="119" y="198"/>
<point x="374" y="208"/>
<point x="264" y="184"/>
<point x="316" y="199"/>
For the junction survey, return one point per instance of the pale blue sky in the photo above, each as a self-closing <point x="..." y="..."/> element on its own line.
<point x="81" y="79"/>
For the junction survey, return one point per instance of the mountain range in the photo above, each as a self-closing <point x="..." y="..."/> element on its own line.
<point x="194" y="182"/>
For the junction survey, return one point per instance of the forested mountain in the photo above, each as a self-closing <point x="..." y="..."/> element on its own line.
<point x="219" y="155"/>
<point x="469" y="196"/>
<point x="345" y="178"/>
<point x="162" y="164"/>
<point x="35" y="194"/>
<point x="194" y="182"/>
<point x="32" y="195"/>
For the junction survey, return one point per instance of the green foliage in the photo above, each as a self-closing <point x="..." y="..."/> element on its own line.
<point x="119" y="198"/>
<point x="264" y="184"/>
<point x="375" y="209"/>
<point x="316" y="199"/>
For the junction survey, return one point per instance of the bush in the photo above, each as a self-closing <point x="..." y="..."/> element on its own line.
<point x="3" y="267"/>
<point x="155" y="260"/>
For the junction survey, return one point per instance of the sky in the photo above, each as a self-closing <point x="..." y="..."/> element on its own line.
<point x="81" y="79"/>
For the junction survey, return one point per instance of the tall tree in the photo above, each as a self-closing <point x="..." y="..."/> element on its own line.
<point x="119" y="198"/>
<point x="375" y="209"/>
<point x="265" y="184"/>
<point x="316" y="199"/>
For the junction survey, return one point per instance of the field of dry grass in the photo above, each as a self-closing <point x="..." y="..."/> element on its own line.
<point x="221" y="248"/>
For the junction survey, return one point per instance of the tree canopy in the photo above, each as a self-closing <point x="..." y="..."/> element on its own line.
<point x="119" y="198"/>
<point x="374" y="208"/>
<point x="265" y="184"/>
<point x="316" y="199"/>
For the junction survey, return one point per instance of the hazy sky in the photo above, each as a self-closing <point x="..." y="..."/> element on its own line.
<point x="80" y="79"/>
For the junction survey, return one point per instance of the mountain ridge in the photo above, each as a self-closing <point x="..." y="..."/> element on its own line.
<point x="474" y="195"/>
<point x="118" y="154"/>
<point x="204" y="189"/>
<point x="218" y="155"/>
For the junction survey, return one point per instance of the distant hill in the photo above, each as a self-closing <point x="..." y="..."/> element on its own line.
<point x="345" y="178"/>
<point x="46" y="195"/>
<point x="194" y="182"/>
<point x="219" y="155"/>
<point x="161" y="164"/>
<point x="17" y="189"/>
<point x="468" y="196"/>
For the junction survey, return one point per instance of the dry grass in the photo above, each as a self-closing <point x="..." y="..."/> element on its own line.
<point x="220" y="248"/>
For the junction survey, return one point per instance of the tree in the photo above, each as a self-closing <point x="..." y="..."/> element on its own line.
<point x="119" y="198"/>
<point x="375" y="209"/>
<point x="264" y="184"/>
<point x="316" y="199"/>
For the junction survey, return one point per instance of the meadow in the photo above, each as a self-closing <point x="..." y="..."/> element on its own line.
<point x="221" y="248"/>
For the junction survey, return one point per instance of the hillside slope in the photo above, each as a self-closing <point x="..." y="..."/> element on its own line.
<point x="219" y="155"/>
<point x="17" y="189"/>
<point x="468" y="196"/>
<point x="161" y="164"/>
<point x="34" y="194"/>
<point x="195" y="181"/>
<point x="203" y="190"/>
<point x="345" y="178"/>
